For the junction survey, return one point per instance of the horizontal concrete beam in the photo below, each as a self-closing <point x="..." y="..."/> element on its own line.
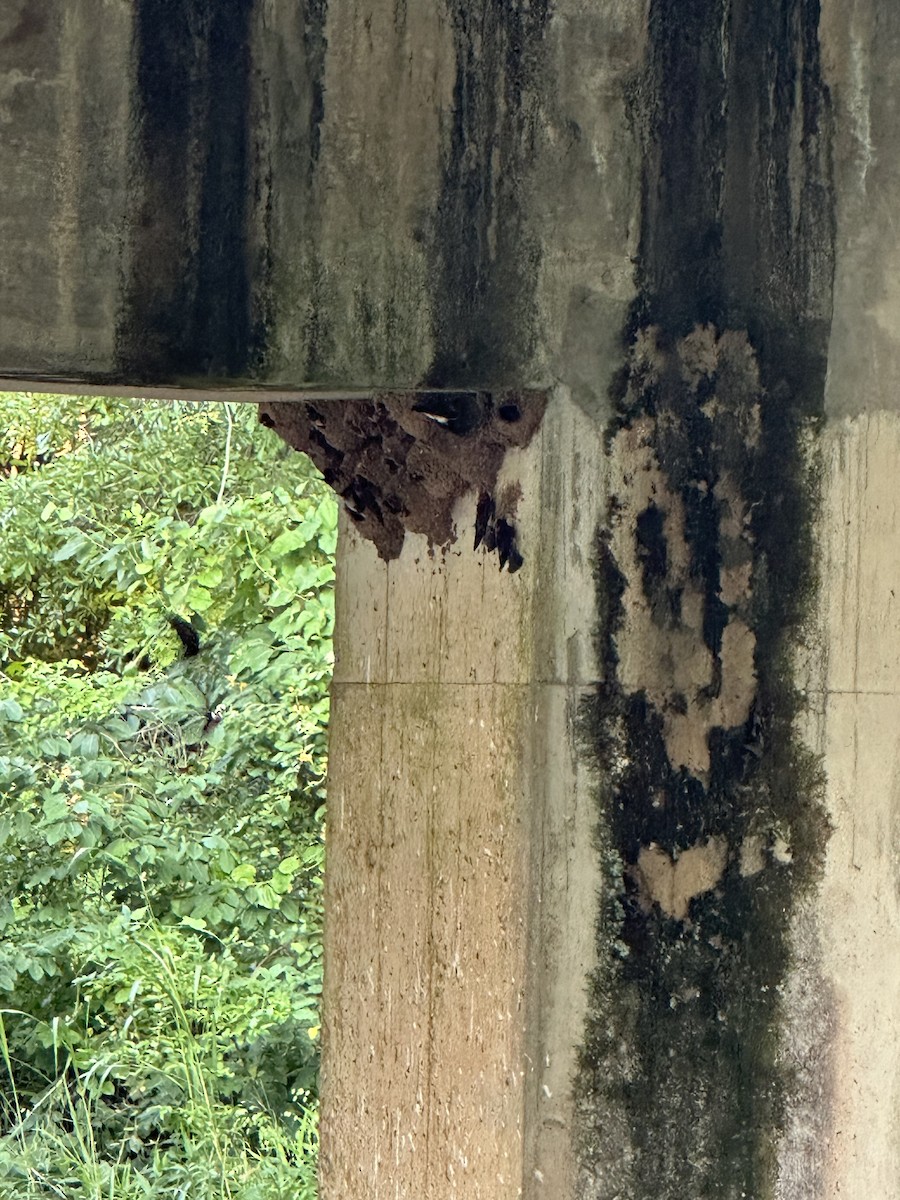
<point x="230" y="394"/>
<point x="344" y="197"/>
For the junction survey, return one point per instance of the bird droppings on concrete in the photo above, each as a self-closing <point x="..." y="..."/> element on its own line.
<point x="400" y="461"/>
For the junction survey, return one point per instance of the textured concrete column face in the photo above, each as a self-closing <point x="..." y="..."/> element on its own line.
<point x="854" y="667"/>
<point x="461" y="878"/>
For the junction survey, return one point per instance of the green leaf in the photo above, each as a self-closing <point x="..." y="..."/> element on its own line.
<point x="11" y="710"/>
<point x="55" y="808"/>
<point x="210" y="577"/>
<point x="251" y="657"/>
<point x="70" y="548"/>
<point x="288" y="541"/>
<point x="86" y="745"/>
<point x="199" y="599"/>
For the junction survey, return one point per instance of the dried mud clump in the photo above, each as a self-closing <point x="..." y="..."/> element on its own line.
<point x="400" y="461"/>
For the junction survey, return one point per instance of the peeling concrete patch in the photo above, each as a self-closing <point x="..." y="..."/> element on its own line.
<point x="401" y="460"/>
<point x="674" y="883"/>
<point x="684" y="638"/>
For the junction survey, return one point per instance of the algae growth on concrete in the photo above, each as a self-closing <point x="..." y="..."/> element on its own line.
<point x="711" y="822"/>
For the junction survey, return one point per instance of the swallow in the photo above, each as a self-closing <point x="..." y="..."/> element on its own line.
<point x="507" y="551"/>
<point x="484" y="518"/>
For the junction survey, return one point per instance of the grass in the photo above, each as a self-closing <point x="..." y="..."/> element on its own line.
<point x="70" y="1142"/>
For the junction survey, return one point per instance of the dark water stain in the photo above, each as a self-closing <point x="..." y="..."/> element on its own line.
<point x="32" y="22"/>
<point x="314" y="47"/>
<point x="484" y="256"/>
<point x="708" y="551"/>
<point x="189" y="302"/>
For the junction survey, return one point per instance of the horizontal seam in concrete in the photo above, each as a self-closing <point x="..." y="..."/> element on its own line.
<point x="850" y="692"/>
<point x="467" y="683"/>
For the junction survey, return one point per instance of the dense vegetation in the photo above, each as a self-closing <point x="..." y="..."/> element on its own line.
<point x="165" y="623"/>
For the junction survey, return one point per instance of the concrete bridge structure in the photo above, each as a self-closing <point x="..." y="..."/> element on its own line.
<point x="590" y="312"/>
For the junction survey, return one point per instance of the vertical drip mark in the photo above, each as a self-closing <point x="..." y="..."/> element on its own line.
<point x="189" y="306"/>
<point x="484" y="256"/>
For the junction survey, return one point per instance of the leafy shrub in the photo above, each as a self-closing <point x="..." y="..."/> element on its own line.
<point x="161" y="816"/>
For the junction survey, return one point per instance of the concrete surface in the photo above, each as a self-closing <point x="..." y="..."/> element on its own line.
<point x="461" y="878"/>
<point x="861" y="53"/>
<point x="612" y="885"/>
<point x="357" y="195"/>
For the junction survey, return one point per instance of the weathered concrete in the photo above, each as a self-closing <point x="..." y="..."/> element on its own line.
<point x="461" y="880"/>
<point x="842" y="1044"/>
<point x="861" y="54"/>
<point x="611" y="891"/>
<point x="842" y="1012"/>
<point x="361" y="195"/>
<point x="63" y="159"/>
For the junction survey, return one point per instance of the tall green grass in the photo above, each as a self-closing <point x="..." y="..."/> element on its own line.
<point x="205" y="1148"/>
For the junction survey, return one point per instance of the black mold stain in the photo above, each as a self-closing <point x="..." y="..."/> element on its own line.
<point x="31" y="24"/>
<point x="681" y="1090"/>
<point x="190" y="309"/>
<point x="484" y="257"/>
<point x="314" y="47"/>
<point x="653" y="553"/>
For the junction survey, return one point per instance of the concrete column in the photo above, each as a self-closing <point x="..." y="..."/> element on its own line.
<point x="461" y="880"/>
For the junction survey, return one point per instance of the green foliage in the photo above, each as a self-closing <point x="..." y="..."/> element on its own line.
<point x="161" y="816"/>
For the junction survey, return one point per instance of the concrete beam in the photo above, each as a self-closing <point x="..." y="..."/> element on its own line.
<point x="354" y="197"/>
